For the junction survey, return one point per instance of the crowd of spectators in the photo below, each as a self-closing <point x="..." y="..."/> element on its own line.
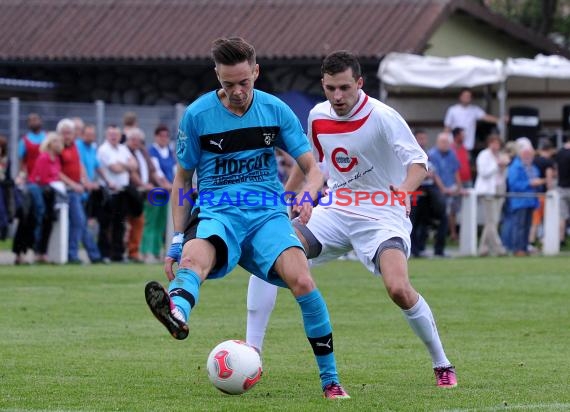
<point x="509" y="179"/>
<point x="105" y="188"/>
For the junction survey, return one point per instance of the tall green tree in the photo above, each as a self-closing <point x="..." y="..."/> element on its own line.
<point x="547" y="17"/>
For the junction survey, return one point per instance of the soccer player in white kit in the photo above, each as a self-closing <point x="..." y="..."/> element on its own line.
<point x="373" y="160"/>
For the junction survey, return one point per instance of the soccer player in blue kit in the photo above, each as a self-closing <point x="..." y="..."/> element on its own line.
<point x="228" y="137"/>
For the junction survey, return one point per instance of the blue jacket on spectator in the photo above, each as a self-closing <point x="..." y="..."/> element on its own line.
<point x="519" y="177"/>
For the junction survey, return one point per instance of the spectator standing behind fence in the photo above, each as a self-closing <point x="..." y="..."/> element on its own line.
<point x="465" y="114"/>
<point x="155" y="214"/>
<point x="430" y="207"/>
<point x="116" y="162"/>
<point x="490" y="182"/>
<point x="29" y="144"/>
<point x="546" y="167"/>
<point x="447" y="176"/>
<point x="79" y="127"/>
<point x="464" y="159"/>
<point x="130" y="121"/>
<point x="27" y="207"/>
<point x="563" y="164"/>
<point x="42" y="187"/>
<point x="87" y="148"/>
<point x="522" y="179"/>
<point x="141" y="181"/>
<point x="74" y="176"/>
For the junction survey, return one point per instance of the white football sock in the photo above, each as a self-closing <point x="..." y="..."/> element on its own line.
<point x="260" y="303"/>
<point x="422" y="323"/>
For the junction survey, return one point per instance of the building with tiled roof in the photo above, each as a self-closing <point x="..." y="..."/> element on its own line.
<point x="157" y="51"/>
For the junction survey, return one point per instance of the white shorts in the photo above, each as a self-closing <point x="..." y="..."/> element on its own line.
<point x="340" y="231"/>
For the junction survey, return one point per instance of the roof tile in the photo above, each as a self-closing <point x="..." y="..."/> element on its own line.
<point x="71" y="30"/>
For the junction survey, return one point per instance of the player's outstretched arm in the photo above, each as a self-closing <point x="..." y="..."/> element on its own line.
<point x="181" y="206"/>
<point x="313" y="183"/>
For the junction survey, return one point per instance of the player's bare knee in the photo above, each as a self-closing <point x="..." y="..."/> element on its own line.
<point x="402" y="294"/>
<point x="302" y="285"/>
<point x="198" y="266"/>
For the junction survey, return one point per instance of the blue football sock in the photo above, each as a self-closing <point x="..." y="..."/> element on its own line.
<point x="319" y="332"/>
<point x="184" y="290"/>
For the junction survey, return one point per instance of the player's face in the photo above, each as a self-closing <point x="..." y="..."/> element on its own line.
<point x="237" y="81"/>
<point x="342" y="90"/>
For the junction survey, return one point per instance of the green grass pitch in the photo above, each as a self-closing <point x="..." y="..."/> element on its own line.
<point x="81" y="338"/>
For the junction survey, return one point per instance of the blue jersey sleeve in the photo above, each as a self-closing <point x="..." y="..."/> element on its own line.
<point x="292" y="139"/>
<point x="188" y="143"/>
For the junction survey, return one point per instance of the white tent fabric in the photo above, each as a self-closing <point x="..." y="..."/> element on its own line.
<point x="556" y="67"/>
<point x="402" y="69"/>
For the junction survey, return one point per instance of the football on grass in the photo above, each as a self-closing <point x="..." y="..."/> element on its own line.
<point x="234" y="367"/>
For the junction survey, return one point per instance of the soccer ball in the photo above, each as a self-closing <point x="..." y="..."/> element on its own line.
<point x="234" y="367"/>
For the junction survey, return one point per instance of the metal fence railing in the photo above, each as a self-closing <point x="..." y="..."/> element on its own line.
<point x="14" y="113"/>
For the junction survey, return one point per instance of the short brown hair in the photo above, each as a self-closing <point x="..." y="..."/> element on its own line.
<point x="231" y="51"/>
<point x="340" y="61"/>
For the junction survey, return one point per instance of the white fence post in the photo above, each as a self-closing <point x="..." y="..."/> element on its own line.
<point x="58" y="240"/>
<point x="468" y="230"/>
<point x="551" y="241"/>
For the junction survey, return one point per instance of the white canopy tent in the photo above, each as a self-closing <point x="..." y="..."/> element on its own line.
<point x="401" y="69"/>
<point x="553" y="67"/>
<point x="411" y="70"/>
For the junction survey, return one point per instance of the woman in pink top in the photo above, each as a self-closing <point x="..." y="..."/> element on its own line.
<point x="48" y="165"/>
<point x="46" y="171"/>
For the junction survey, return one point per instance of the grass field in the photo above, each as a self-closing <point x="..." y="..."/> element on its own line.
<point x="82" y="338"/>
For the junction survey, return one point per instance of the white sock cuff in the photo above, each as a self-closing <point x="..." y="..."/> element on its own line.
<point x="416" y="308"/>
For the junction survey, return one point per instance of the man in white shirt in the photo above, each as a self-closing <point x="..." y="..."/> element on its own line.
<point x="374" y="160"/>
<point x="465" y="115"/>
<point x="116" y="162"/>
<point x="491" y="180"/>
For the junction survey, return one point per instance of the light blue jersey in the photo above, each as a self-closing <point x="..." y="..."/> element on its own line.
<point x="239" y="189"/>
<point x="234" y="155"/>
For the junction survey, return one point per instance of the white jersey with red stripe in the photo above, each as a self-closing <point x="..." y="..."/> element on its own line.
<point x="367" y="150"/>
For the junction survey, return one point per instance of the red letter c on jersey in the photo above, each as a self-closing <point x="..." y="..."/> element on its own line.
<point x="341" y="160"/>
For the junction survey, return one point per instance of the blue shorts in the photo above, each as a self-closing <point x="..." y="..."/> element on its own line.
<point x="254" y="239"/>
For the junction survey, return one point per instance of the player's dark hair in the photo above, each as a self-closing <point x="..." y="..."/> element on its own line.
<point x="231" y="51"/>
<point x="340" y="61"/>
